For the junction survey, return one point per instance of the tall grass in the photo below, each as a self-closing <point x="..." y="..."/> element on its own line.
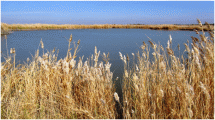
<point x="165" y="86"/>
<point x="103" y="26"/>
<point x="4" y="29"/>
<point x="171" y="87"/>
<point x="45" y="88"/>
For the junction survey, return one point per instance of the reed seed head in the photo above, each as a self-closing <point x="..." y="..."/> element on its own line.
<point x="5" y="36"/>
<point x="132" y="111"/>
<point x="200" y="23"/>
<point x="28" y="59"/>
<point x="178" y="47"/>
<point x="42" y="45"/>
<point x="162" y="65"/>
<point x="136" y="87"/>
<point x="67" y="96"/>
<point x="14" y="50"/>
<point x="170" y="51"/>
<point x="162" y="93"/>
<point x="149" y="94"/>
<point x="127" y="58"/>
<point x="137" y="69"/>
<point x="196" y="50"/>
<point x="196" y="31"/>
<point x="142" y="47"/>
<point x="95" y="50"/>
<point x="152" y="44"/>
<point x="162" y="48"/>
<point x="154" y="54"/>
<point x="168" y="44"/>
<point x="190" y="112"/>
<point x="120" y="54"/>
<point x="124" y="59"/>
<point x="178" y="89"/>
<point x="103" y="102"/>
<point x="11" y="50"/>
<point x="70" y="39"/>
<point x="135" y="77"/>
<point x="187" y="41"/>
<point x="107" y="66"/>
<point x="78" y="42"/>
<point x="144" y="43"/>
<point x="187" y="48"/>
<point x="116" y="97"/>
<point x="53" y="50"/>
<point x="203" y="38"/>
<point x="170" y="39"/>
<point x="144" y="55"/>
<point x="202" y="86"/>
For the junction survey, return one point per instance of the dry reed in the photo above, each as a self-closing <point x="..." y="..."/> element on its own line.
<point x="4" y="29"/>
<point x="169" y="87"/>
<point x="166" y="86"/>
<point x="105" y="26"/>
<point x="47" y="88"/>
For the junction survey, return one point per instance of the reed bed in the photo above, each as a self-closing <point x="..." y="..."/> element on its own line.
<point x="47" y="88"/>
<point x="103" y="26"/>
<point x="171" y="87"/>
<point x="162" y="87"/>
<point x="4" y="29"/>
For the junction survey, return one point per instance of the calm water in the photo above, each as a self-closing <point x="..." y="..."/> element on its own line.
<point x="126" y="41"/>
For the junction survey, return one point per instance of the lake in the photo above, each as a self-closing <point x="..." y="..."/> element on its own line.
<point x="126" y="41"/>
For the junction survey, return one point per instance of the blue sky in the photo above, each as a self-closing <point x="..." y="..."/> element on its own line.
<point x="107" y="12"/>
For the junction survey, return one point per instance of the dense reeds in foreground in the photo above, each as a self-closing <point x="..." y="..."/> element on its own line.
<point x="47" y="88"/>
<point x="168" y="86"/>
<point x="163" y="87"/>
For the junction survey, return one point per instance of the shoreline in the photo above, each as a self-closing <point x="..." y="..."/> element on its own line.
<point x="48" y="88"/>
<point x="170" y="27"/>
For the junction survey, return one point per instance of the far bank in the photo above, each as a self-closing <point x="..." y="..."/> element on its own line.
<point x="6" y="28"/>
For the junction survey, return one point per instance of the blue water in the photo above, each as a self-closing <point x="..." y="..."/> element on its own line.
<point x="126" y="41"/>
<point x="106" y="40"/>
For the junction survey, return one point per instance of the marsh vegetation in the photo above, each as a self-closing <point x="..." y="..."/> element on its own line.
<point x="4" y="29"/>
<point x="38" y="26"/>
<point x="165" y="86"/>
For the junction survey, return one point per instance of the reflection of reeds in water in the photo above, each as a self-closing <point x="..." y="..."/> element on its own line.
<point x="171" y="87"/>
<point x="163" y="87"/>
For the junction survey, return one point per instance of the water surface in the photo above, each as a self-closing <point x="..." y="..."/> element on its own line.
<point x="126" y="41"/>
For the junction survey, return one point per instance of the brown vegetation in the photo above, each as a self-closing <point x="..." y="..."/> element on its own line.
<point x="171" y="87"/>
<point x="103" y="26"/>
<point x="4" y="29"/>
<point x="45" y="88"/>
<point x="166" y="86"/>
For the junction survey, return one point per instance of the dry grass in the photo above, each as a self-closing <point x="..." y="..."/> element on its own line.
<point x="45" y="88"/>
<point x="165" y="86"/>
<point x="4" y="29"/>
<point x="103" y="26"/>
<point x="169" y="87"/>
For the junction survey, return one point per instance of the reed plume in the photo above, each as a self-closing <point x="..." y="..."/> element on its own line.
<point x="172" y="87"/>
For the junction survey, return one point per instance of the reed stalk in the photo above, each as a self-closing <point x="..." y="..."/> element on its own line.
<point x="171" y="88"/>
<point x="47" y="88"/>
<point x="163" y="87"/>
